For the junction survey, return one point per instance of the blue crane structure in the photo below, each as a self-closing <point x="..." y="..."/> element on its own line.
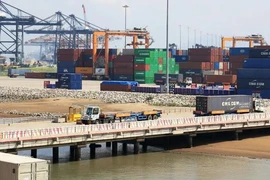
<point x="73" y="32"/>
<point x="12" y="42"/>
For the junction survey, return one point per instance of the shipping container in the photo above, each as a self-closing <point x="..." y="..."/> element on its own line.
<point x="122" y="77"/>
<point x="35" y="75"/>
<point x="253" y="83"/>
<point x="117" y="65"/>
<point x="261" y="47"/>
<point x="239" y="51"/>
<point x="221" y="65"/>
<point x="14" y="167"/>
<point x="192" y="65"/>
<point x="225" y="104"/>
<point x="124" y="58"/>
<point x="84" y="70"/>
<point x="65" y="70"/>
<point x="226" y="58"/>
<point x="180" y="58"/>
<point x="160" y="79"/>
<point x="216" y="65"/>
<point x="51" y="75"/>
<point x="20" y="72"/>
<point x="259" y="53"/>
<point x="253" y="73"/>
<point x="75" y="85"/>
<point x="145" y="80"/>
<point x="238" y="59"/>
<point x="123" y="71"/>
<point x="128" y="52"/>
<point x="205" y="52"/>
<point x="142" y="67"/>
<point x="69" y="77"/>
<point x="265" y="94"/>
<point x="220" y="78"/>
<point x="257" y="63"/>
<point x="200" y="58"/>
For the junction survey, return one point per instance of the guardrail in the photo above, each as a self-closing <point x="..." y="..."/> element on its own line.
<point x="23" y="120"/>
<point x="132" y="126"/>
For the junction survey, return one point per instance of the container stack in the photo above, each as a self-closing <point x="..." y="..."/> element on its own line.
<point x="237" y="57"/>
<point x="201" y="61"/>
<point x="254" y="77"/>
<point x="67" y="60"/>
<point x="70" y="81"/>
<point x="123" y="68"/>
<point x="147" y="62"/>
<point x="117" y="85"/>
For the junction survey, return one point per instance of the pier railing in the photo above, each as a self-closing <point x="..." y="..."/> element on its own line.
<point x="135" y="126"/>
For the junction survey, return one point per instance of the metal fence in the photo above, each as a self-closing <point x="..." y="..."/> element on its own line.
<point x="23" y="120"/>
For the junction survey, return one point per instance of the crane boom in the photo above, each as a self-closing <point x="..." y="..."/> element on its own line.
<point x="84" y="14"/>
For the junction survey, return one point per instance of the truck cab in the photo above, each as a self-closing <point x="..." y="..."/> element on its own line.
<point x="91" y="115"/>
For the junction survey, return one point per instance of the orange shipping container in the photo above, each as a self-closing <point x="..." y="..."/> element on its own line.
<point x="84" y="70"/>
<point x="179" y="52"/>
<point x="220" y="78"/>
<point x="238" y="59"/>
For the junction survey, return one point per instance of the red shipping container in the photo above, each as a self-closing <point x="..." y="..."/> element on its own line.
<point x="238" y="59"/>
<point x="205" y="51"/>
<point x="220" y="79"/>
<point x="160" y="60"/>
<point x="115" y="87"/>
<point x="160" y="72"/>
<point x="225" y="66"/>
<point x="193" y="58"/>
<point x="69" y="51"/>
<point x="67" y="57"/>
<point x="192" y="65"/>
<point x="235" y="66"/>
<point x="118" y="65"/>
<point x="124" y="58"/>
<point x="123" y="71"/>
<point x="208" y="66"/>
<point x="261" y="47"/>
<point x="142" y="67"/>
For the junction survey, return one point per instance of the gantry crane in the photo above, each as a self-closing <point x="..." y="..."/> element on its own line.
<point x="11" y="16"/>
<point x="137" y="33"/>
<point x="251" y="39"/>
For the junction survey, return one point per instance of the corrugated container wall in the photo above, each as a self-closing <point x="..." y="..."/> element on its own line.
<point x="13" y="167"/>
<point x="257" y="63"/>
<point x="253" y="83"/>
<point x="239" y="51"/>
<point x="253" y="73"/>
<point x="259" y="53"/>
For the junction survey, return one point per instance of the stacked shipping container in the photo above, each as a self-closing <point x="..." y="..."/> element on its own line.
<point x="253" y="79"/>
<point x="123" y="68"/>
<point x="147" y="62"/>
<point x="201" y="61"/>
<point x="237" y="58"/>
<point x="69" y="81"/>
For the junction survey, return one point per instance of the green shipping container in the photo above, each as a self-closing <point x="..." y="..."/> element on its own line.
<point x="146" y="52"/>
<point x="110" y="64"/>
<point x="160" y="67"/>
<point x="143" y="74"/>
<point x="142" y="60"/>
<point x="145" y="81"/>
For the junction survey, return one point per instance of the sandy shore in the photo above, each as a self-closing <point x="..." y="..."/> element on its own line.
<point x="252" y="148"/>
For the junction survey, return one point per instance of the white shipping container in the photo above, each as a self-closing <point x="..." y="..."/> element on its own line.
<point x="229" y="65"/>
<point x="220" y="72"/>
<point x="220" y="65"/>
<point x="13" y="167"/>
<point x="216" y="72"/>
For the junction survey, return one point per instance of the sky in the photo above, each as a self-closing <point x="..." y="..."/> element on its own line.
<point x="219" y="18"/>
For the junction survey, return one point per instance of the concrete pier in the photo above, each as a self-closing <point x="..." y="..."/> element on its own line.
<point x="136" y="147"/>
<point x="55" y="154"/>
<point x="34" y="153"/>
<point x="190" y="140"/>
<point x="124" y="149"/>
<point x="114" y="148"/>
<point x="77" y="153"/>
<point x="108" y="144"/>
<point x="92" y="151"/>
<point x="72" y="153"/>
<point x="144" y="147"/>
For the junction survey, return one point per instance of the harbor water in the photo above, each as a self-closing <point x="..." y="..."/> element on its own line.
<point x="154" y="165"/>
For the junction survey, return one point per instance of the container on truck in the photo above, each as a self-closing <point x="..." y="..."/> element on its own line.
<point x="226" y="104"/>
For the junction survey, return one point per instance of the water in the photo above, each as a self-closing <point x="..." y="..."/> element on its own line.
<point x="155" y="165"/>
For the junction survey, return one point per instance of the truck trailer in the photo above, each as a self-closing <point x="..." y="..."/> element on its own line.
<point x="94" y="115"/>
<point x="227" y="104"/>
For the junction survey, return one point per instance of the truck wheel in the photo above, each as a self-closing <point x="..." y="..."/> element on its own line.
<point x="149" y="117"/>
<point x="155" y="117"/>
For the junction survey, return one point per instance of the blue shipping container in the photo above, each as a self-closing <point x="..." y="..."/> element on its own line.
<point x="65" y="70"/>
<point x="21" y="72"/>
<point x="67" y="64"/>
<point x="257" y="63"/>
<point x="255" y="93"/>
<point x="69" y="77"/>
<point x="72" y="86"/>
<point x="257" y="84"/>
<point x="118" y="77"/>
<point x="226" y="58"/>
<point x="253" y="73"/>
<point x="131" y="83"/>
<point x="216" y="65"/>
<point x="239" y="51"/>
<point x="181" y="58"/>
<point x="259" y="53"/>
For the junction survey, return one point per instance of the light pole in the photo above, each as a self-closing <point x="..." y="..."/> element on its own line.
<point x="125" y="6"/>
<point x="180" y="43"/>
<point x="167" y="49"/>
